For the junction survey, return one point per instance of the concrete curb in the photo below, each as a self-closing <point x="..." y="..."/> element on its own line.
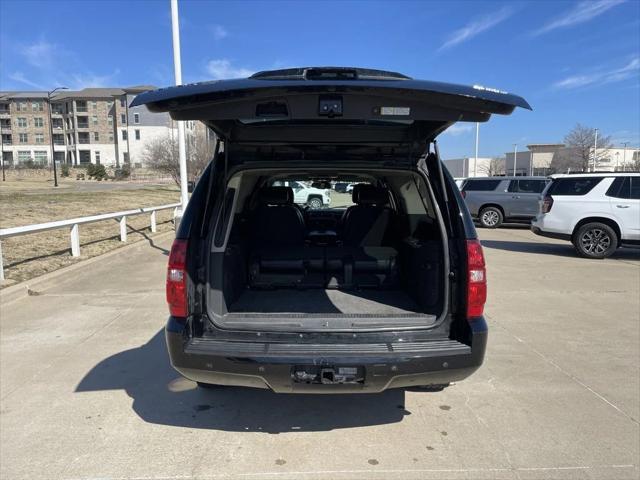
<point x="20" y="290"/>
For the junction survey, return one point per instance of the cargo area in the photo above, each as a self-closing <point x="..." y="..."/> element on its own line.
<point x="371" y="256"/>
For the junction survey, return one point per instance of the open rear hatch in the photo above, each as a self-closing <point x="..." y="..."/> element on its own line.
<point x="312" y="107"/>
<point x="346" y="120"/>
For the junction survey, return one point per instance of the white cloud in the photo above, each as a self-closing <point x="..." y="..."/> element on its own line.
<point x="582" y="12"/>
<point x="218" y="31"/>
<point x="476" y="27"/>
<point x="43" y="61"/>
<point x="601" y="77"/>
<point x="78" y="81"/>
<point x="458" y="129"/>
<point x="222" y="68"/>
<point x="21" y="78"/>
<point x="41" y="53"/>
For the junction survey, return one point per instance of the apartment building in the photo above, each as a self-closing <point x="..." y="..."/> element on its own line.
<point x="93" y="125"/>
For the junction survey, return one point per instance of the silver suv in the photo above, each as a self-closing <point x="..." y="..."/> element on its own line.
<point x="494" y="200"/>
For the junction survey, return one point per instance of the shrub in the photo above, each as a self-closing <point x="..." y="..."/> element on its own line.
<point x="97" y="171"/>
<point x="65" y="171"/>
<point x="122" y="172"/>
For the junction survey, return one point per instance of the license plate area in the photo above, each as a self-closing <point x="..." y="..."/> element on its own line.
<point x="328" y="375"/>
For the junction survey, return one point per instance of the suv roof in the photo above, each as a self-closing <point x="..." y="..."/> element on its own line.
<point x="511" y="177"/>
<point x="595" y="174"/>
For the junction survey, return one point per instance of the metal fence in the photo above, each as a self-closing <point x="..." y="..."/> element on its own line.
<point x="74" y="224"/>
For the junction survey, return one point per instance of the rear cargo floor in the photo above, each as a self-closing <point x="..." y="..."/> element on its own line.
<point x="362" y="302"/>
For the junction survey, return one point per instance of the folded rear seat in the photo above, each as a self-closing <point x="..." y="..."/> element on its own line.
<point x="271" y="267"/>
<point x="362" y="267"/>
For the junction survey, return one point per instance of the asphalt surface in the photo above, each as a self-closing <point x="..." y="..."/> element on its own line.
<point x="87" y="392"/>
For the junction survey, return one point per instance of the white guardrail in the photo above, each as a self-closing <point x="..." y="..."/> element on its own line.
<point x="75" y="223"/>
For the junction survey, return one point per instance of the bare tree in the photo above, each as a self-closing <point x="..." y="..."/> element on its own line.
<point x="161" y="155"/>
<point x="566" y="160"/>
<point x="580" y="142"/>
<point x="493" y="167"/>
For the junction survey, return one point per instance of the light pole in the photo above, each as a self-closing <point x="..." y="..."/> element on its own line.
<point x="475" y="162"/>
<point x="53" y="155"/>
<point x="624" y="156"/>
<point x="177" y="68"/>
<point x="515" y="155"/>
<point x="531" y="163"/>
<point x="595" y="149"/>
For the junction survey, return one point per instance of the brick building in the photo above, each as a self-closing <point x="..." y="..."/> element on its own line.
<point x="93" y="125"/>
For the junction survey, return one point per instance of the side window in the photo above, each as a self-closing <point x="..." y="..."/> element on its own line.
<point x="620" y="188"/>
<point x="513" y="186"/>
<point x="296" y="186"/>
<point x="481" y="185"/>
<point x="573" y="186"/>
<point x="531" y="186"/>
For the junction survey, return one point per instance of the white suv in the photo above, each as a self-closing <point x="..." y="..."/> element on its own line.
<point x="304" y="194"/>
<point x="597" y="212"/>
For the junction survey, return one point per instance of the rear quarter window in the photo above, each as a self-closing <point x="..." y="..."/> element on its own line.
<point x="480" y="185"/>
<point x="625" y="187"/>
<point x="527" y="186"/>
<point x="573" y="186"/>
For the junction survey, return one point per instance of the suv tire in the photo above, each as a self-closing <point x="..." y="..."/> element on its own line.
<point x="314" y="202"/>
<point x="491" y="217"/>
<point x="595" y="240"/>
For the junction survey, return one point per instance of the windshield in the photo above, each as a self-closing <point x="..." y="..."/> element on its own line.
<point x="320" y="194"/>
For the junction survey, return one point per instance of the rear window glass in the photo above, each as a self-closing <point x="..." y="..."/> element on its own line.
<point x="527" y="186"/>
<point x="481" y="185"/>
<point x="573" y="186"/>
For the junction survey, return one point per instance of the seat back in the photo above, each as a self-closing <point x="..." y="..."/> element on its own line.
<point x="277" y="221"/>
<point x="366" y="223"/>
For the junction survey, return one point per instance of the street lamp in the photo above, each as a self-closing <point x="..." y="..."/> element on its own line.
<point x="624" y="156"/>
<point x="53" y="156"/>
<point x="515" y="155"/>
<point x="595" y="149"/>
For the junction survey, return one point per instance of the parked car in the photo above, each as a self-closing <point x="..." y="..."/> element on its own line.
<point x="307" y="195"/>
<point x="341" y="187"/>
<point x="387" y="293"/>
<point x="494" y="200"/>
<point x="597" y="212"/>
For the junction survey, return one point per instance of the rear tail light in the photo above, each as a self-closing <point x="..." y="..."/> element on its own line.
<point x="476" y="280"/>
<point x="547" y="203"/>
<point x="177" y="279"/>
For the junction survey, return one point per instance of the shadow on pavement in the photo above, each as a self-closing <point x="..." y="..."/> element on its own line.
<point x="559" y="249"/>
<point x="161" y="396"/>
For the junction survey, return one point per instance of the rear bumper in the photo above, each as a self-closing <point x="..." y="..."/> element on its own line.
<point x="556" y="235"/>
<point x="271" y="365"/>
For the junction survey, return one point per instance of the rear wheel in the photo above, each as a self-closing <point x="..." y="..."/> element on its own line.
<point x="491" y="217"/>
<point x="595" y="240"/>
<point x="314" y="202"/>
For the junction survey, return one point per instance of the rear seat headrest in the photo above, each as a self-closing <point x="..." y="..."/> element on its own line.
<point x="364" y="194"/>
<point x="276" y="195"/>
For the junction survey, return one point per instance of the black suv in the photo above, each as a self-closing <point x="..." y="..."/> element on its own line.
<point x="384" y="289"/>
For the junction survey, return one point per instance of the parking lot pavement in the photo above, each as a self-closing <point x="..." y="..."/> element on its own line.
<point x="87" y="392"/>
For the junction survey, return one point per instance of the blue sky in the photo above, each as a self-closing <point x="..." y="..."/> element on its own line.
<point x="573" y="61"/>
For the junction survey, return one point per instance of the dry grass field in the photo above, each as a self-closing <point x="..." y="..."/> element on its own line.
<point x="31" y="198"/>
